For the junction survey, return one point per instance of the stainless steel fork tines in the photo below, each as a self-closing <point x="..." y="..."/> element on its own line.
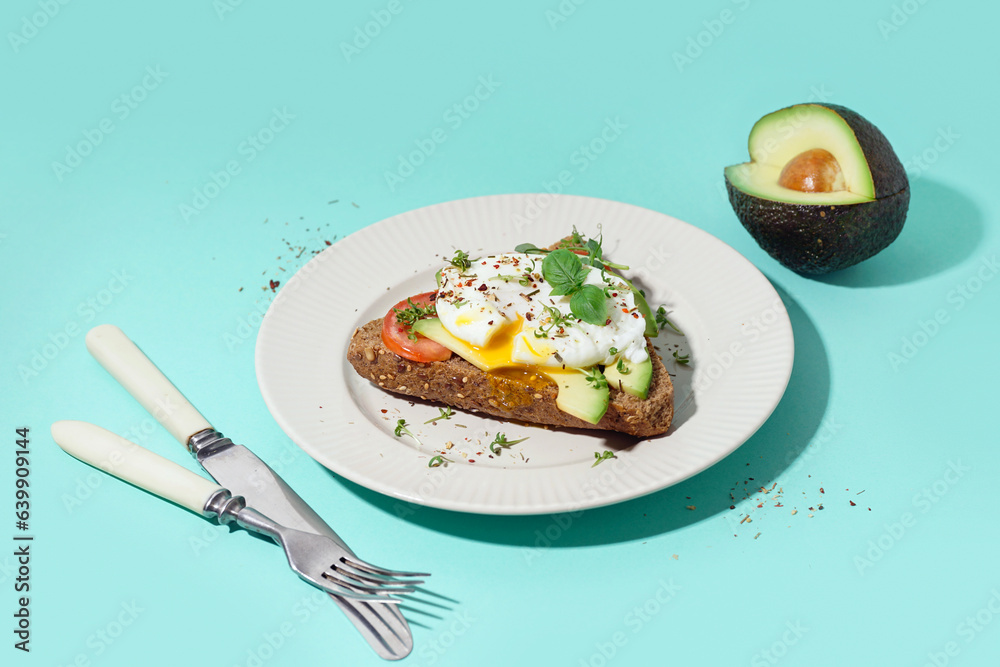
<point x="313" y="557"/>
<point x="361" y="577"/>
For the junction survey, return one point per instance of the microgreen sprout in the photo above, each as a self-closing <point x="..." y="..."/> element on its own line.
<point x="529" y="249"/>
<point x="596" y="378"/>
<point x="437" y="461"/>
<point x="446" y="413"/>
<point x="622" y="368"/>
<point x="603" y="456"/>
<point x="682" y="358"/>
<point x="595" y="256"/>
<point x="461" y="260"/>
<point x="663" y="321"/>
<point x="613" y="351"/>
<point x="408" y="316"/>
<point x="401" y="430"/>
<point x="556" y="321"/>
<point x="501" y="442"/>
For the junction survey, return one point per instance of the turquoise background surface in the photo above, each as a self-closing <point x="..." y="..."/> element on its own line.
<point x="119" y="118"/>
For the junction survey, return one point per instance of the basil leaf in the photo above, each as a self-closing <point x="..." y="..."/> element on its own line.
<point x="589" y="305"/>
<point x="564" y="272"/>
<point x="527" y="248"/>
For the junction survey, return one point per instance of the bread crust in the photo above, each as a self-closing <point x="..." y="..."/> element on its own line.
<point x="458" y="383"/>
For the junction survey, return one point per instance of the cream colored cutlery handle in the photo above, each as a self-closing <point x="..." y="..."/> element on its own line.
<point x="140" y="376"/>
<point x="128" y="461"/>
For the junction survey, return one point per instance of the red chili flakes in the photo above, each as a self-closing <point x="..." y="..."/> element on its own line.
<point x="328" y="243"/>
<point x="384" y="411"/>
<point x="624" y="310"/>
<point x="852" y="503"/>
<point x="274" y="284"/>
<point x="472" y="460"/>
<point x="821" y="490"/>
<point x="760" y="505"/>
<point x="482" y="288"/>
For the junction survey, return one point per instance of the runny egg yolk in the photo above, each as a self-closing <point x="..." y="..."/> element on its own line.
<point x="497" y="355"/>
<point x="499" y="351"/>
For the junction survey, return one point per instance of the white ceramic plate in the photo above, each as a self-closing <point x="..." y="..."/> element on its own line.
<point x="738" y="338"/>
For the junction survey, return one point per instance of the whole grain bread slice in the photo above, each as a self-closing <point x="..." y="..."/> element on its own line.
<point x="458" y="383"/>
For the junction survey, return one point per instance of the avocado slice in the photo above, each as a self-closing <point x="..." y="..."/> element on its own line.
<point x="823" y="190"/>
<point x="633" y="378"/>
<point x="579" y="397"/>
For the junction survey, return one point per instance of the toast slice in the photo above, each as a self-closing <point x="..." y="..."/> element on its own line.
<point x="458" y="383"/>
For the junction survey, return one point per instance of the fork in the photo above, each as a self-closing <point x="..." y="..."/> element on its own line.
<point x="317" y="559"/>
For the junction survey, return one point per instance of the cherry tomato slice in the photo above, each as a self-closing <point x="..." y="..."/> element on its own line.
<point x="396" y="335"/>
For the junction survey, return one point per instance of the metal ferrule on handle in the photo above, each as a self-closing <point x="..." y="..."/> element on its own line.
<point x="206" y="443"/>
<point x="229" y="509"/>
<point x="224" y="506"/>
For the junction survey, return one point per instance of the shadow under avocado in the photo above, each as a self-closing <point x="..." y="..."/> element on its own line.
<point x="772" y="449"/>
<point x="943" y="228"/>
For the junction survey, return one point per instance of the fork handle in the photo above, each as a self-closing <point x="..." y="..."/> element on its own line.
<point x="130" y="462"/>
<point x="147" y="384"/>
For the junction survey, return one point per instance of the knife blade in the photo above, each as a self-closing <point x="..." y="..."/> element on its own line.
<point x="241" y="471"/>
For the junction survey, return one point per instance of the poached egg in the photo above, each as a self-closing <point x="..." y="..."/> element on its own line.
<point x="502" y="306"/>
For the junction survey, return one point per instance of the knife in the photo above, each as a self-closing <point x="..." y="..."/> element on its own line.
<point x="239" y="470"/>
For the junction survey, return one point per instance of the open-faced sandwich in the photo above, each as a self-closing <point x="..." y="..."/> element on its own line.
<point x="548" y="336"/>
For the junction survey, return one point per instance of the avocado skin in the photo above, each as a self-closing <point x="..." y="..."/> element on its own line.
<point x="802" y="239"/>
<point x="888" y="173"/>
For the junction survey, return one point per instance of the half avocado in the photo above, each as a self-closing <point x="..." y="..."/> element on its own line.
<point x="823" y="190"/>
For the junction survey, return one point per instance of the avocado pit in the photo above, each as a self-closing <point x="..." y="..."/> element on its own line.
<point x="814" y="170"/>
